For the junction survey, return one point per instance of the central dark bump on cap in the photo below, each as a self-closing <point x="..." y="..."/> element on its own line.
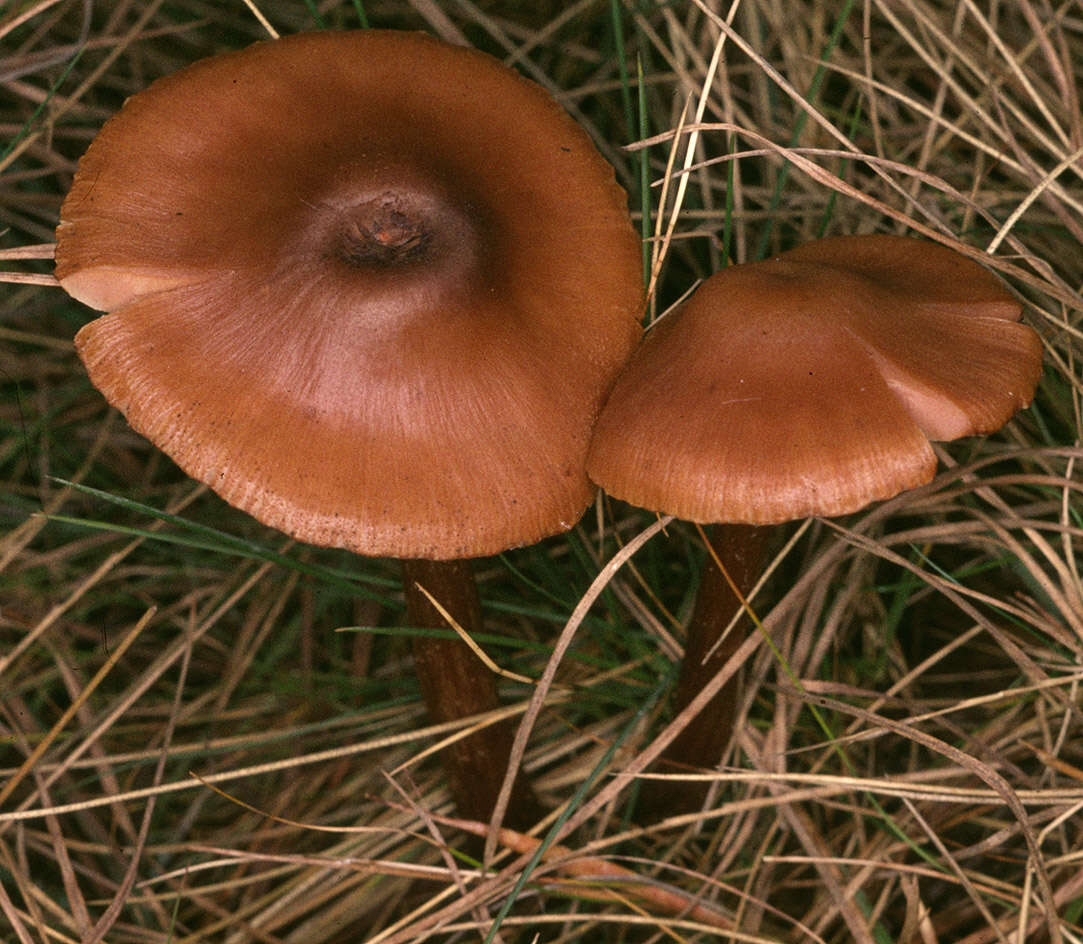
<point x="384" y="232"/>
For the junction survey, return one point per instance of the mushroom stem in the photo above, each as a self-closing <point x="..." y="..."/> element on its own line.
<point x="741" y="549"/>
<point x="455" y="684"/>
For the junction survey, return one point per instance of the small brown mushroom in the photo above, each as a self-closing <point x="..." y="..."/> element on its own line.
<point x="371" y="288"/>
<point x="807" y="384"/>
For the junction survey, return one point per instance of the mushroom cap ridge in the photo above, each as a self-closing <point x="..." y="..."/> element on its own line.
<point x="811" y="383"/>
<point x="370" y="287"/>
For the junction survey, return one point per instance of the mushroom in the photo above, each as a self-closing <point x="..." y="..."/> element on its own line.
<point x="371" y="288"/>
<point x="807" y="384"/>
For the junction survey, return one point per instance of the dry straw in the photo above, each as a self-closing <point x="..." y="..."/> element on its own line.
<point x="907" y="764"/>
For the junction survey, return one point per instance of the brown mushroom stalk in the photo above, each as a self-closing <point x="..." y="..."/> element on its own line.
<point x="807" y="384"/>
<point x="741" y="549"/>
<point x="456" y="685"/>
<point x="371" y="288"/>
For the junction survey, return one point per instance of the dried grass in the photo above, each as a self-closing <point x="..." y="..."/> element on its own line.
<point x="189" y="753"/>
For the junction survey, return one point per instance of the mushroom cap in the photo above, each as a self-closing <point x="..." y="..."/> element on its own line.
<point x="370" y="287"/>
<point x="811" y="383"/>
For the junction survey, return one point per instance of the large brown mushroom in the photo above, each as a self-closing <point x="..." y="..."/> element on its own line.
<point x="807" y="384"/>
<point x="371" y="288"/>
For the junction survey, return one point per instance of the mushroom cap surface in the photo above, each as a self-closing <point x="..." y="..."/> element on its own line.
<point x="812" y="382"/>
<point x="370" y="287"/>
